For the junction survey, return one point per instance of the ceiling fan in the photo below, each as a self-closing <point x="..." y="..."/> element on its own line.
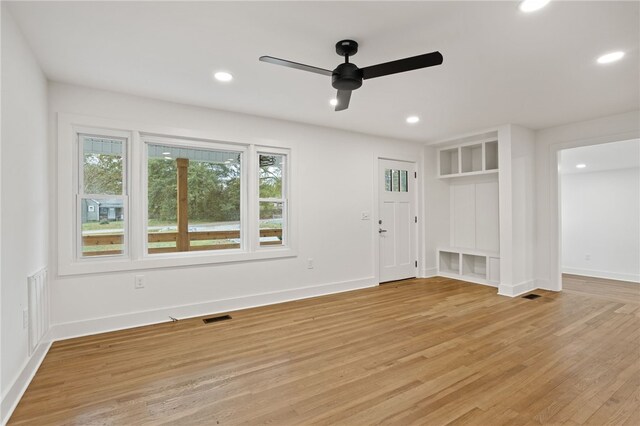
<point x="348" y="77"/>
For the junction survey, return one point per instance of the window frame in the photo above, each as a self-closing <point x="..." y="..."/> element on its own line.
<point x="66" y="207"/>
<point x="147" y="140"/>
<point x="260" y="150"/>
<point x="78" y="188"/>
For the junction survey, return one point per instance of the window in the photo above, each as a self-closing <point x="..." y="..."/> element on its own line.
<point x="272" y="199"/>
<point x="133" y="199"/>
<point x="395" y="180"/>
<point x="101" y="196"/>
<point x="193" y="199"/>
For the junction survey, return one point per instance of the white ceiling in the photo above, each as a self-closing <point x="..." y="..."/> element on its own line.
<point x="608" y="156"/>
<point x="500" y="65"/>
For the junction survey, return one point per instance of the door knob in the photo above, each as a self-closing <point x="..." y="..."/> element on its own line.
<point x="380" y="230"/>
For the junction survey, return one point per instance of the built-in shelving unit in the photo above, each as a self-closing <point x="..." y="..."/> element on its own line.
<point x="480" y="208"/>
<point x="481" y="267"/>
<point x="472" y="158"/>
<point x="465" y="192"/>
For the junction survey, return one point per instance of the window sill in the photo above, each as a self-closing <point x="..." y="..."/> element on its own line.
<point x="113" y="264"/>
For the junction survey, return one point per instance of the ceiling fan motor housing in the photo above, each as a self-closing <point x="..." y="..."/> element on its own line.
<point x="346" y="76"/>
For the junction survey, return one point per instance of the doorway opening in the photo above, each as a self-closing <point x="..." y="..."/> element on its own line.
<point x="599" y="187"/>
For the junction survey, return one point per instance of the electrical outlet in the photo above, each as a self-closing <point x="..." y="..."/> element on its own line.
<point x="139" y="282"/>
<point x="25" y="318"/>
<point x="309" y="263"/>
<point x="587" y="257"/>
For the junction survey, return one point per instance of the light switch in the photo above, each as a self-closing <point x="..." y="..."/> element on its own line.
<point x="365" y="216"/>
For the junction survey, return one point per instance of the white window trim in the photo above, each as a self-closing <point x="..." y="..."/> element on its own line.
<point x="69" y="125"/>
<point x="78" y="185"/>
<point x="177" y="142"/>
<point x="263" y="150"/>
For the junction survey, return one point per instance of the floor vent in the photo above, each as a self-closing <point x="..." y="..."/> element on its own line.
<point x="531" y="296"/>
<point x="216" y="319"/>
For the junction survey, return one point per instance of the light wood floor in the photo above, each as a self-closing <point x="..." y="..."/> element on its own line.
<point x="429" y="351"/>
<point x="616" y="291"/>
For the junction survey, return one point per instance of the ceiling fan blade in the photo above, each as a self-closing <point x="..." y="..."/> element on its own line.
<point x="344" y="96"/>
<point x="402" y="65"/>
<point x="289" y="64"/>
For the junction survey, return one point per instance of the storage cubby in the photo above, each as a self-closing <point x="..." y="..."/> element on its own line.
<point x="471" y="156"/>
<point x="474" y="266"/>
<point x="449" y="161"/>
<point x="450" y="262"/>
<point x="491" y="155"/>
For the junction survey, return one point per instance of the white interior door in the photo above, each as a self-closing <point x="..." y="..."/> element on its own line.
<point x="397" y="220"/>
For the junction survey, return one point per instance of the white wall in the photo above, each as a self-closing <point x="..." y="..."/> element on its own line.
<point x="336" y="181"/>
<point x="601" y="219"/>
<point x="548" y="144"/>
<point x="24" y="198"/>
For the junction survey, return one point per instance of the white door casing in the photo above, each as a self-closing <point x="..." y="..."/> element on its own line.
<point x="397" y="220"/>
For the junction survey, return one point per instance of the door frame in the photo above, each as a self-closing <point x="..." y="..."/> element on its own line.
<point x="555" y="200"/>
<point x="419" y="204"/>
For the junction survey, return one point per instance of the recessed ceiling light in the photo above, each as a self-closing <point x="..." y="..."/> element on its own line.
<point x="333" y="102"/>
<point x="533" y="5"/>
<point x="610" y="57"/>
<point x="166" y="153"/>
<point x="580" y="166"/>
<point x="413" y="119"/>
<point x="223" y="76"/>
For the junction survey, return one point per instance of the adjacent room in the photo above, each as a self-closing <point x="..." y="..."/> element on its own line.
<point x="311" y="212"/>
<point x="600" y="193"/>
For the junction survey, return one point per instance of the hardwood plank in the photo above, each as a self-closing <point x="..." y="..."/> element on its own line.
<point x="617" y="291"/>
<point x="424" y="351"/>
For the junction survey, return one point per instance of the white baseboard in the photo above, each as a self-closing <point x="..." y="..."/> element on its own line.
<point x="517" y="289"/>
<point x="620" y="276"/>
<point x="429" y="272"/>
<point x="119" y="322"/>
<point x="16" y="390"/>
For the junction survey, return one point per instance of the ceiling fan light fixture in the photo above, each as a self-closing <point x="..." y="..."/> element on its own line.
<point x="533" y="5"/>
<point x="413" y="119"/>
<point x="347" y="77"/>
<point x="610" y="57"/>
<point x="223" y="76"/>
